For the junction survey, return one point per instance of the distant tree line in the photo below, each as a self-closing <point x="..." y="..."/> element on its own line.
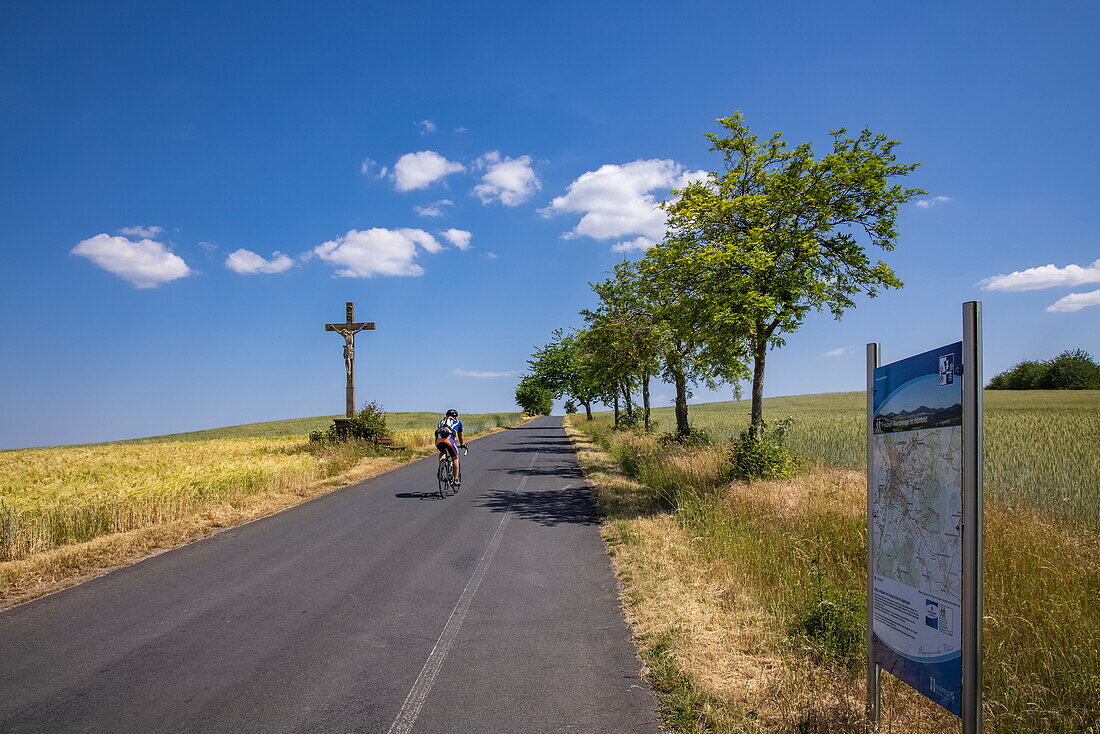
<point x="750" y="250"/>
<point x="1073" y="369"/>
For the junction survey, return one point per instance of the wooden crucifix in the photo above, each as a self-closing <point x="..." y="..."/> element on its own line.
<point x="348" y="330"/>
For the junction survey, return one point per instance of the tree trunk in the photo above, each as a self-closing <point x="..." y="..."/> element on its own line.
<point x="759" y="353"/>
<point x="587" y="409"/>
<point x="616" y="403"/>
<point x="626" y="397"/>
<point x="645" y="399"/>
<point x="682" y="427"/>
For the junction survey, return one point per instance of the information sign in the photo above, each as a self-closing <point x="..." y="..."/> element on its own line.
<point x="916" y="493"/>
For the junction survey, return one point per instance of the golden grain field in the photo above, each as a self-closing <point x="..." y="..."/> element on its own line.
<point x="55" y="497"/>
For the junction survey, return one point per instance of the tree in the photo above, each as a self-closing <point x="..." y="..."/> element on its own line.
<point x="632" y="340"/>
<point x="533" y="397"/>
<point x="561" y="367"/>
<point x="1073" y="369"/>
<point x="570" y="407"/>
<point x="1025" y="375"/>
<point x="779" y="233"/>
<point x="690" y="350"/>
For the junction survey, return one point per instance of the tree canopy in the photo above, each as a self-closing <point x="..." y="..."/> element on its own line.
<point x="779" y="232"/>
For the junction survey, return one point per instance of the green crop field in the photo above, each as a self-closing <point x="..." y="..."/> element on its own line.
<point x="1042" y="446"/>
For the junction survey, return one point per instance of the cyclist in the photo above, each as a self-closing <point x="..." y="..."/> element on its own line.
<point x="445" y="433"/>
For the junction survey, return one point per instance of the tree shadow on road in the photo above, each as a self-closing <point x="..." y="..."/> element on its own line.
<point x="566" y="505"/>
<point x="568" y="472"/>
<point x="540" y="448"/>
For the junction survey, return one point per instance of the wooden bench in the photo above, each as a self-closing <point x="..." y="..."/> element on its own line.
<point x="386" y="442"/>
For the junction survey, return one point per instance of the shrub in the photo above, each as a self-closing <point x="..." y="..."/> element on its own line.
<point x="366" y="425"/>
<point x="694" y="438"/>
<point x="369" y="423"/>
<point x="763" y="454"/>
<point x="629" y="420"/>
<point x="834" y="628"/>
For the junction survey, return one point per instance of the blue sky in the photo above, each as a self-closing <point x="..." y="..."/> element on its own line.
<point x="156" y="141"/>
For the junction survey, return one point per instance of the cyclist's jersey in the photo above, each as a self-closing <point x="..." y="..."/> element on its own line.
<point x="448" y="428"/>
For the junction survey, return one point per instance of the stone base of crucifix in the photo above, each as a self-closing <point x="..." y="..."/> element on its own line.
<point x="343" y="428"/>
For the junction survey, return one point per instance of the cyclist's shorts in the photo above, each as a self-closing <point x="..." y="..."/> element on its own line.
<point x="448" y="445"/>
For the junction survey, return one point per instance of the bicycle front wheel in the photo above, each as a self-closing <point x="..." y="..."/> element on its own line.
<point x="444" y="478"/>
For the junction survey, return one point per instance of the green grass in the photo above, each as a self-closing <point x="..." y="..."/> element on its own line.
<point x="788" y="546"/>
<point x="1042" y="446"/>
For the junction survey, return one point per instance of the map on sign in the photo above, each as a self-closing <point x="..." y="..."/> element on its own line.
<point x="916" y="477"/>
<point x="918" y="509"/>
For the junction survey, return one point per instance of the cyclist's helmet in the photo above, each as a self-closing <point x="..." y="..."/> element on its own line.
<point x="452" y="413"/>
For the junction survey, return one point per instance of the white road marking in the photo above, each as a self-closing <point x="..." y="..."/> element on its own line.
<point x="414" y="702"/>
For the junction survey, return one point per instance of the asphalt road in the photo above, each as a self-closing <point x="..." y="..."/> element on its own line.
<point x="377" y="608"/>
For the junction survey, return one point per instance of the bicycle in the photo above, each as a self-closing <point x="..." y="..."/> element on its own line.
<point x="446" y="473"/>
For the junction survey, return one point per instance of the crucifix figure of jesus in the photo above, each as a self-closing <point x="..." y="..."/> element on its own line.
<point x="348" y="329"/>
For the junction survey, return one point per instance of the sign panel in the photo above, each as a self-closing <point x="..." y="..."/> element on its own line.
<point x="916" y="476"/>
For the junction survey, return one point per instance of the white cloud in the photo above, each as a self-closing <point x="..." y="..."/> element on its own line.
<point x="460" y="238"/>
<point x="491" y="255"/>
<point x="144" y="263"/>
<point x="511" y="181"/>
<point x="481" y="373"/>
<point x="462" y="130"/>
<point x="427" y="127"/>
<point x="618" y="201"/>
<point x="1075" y="302"/>
<point x="247" y="262"/>
<point x="208" y="246"/>
<point x="929" y="203"/>
<point x="377" y="251"/>
<point x="434" y="209"/>
<point x="638" y="244"/>
<point x="1044" y="276"/>
<point x="146" y="233"/>
<point x="366" y="165"/>
<point x="419" y="170"/>
<point x="836" y="352"/>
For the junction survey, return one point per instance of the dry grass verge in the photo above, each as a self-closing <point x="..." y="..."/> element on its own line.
<point x="746" y="599"/>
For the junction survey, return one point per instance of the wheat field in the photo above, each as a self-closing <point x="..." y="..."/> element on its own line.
<point x="1042" y="446"/>
<point x="52" y="497"/>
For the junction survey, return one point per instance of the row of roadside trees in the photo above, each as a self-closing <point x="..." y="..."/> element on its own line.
<point x="774" y="234"/>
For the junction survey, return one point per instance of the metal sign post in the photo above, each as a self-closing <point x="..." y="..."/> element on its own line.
<point x="874" y="697"/>
<point x="973" y="450"/>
